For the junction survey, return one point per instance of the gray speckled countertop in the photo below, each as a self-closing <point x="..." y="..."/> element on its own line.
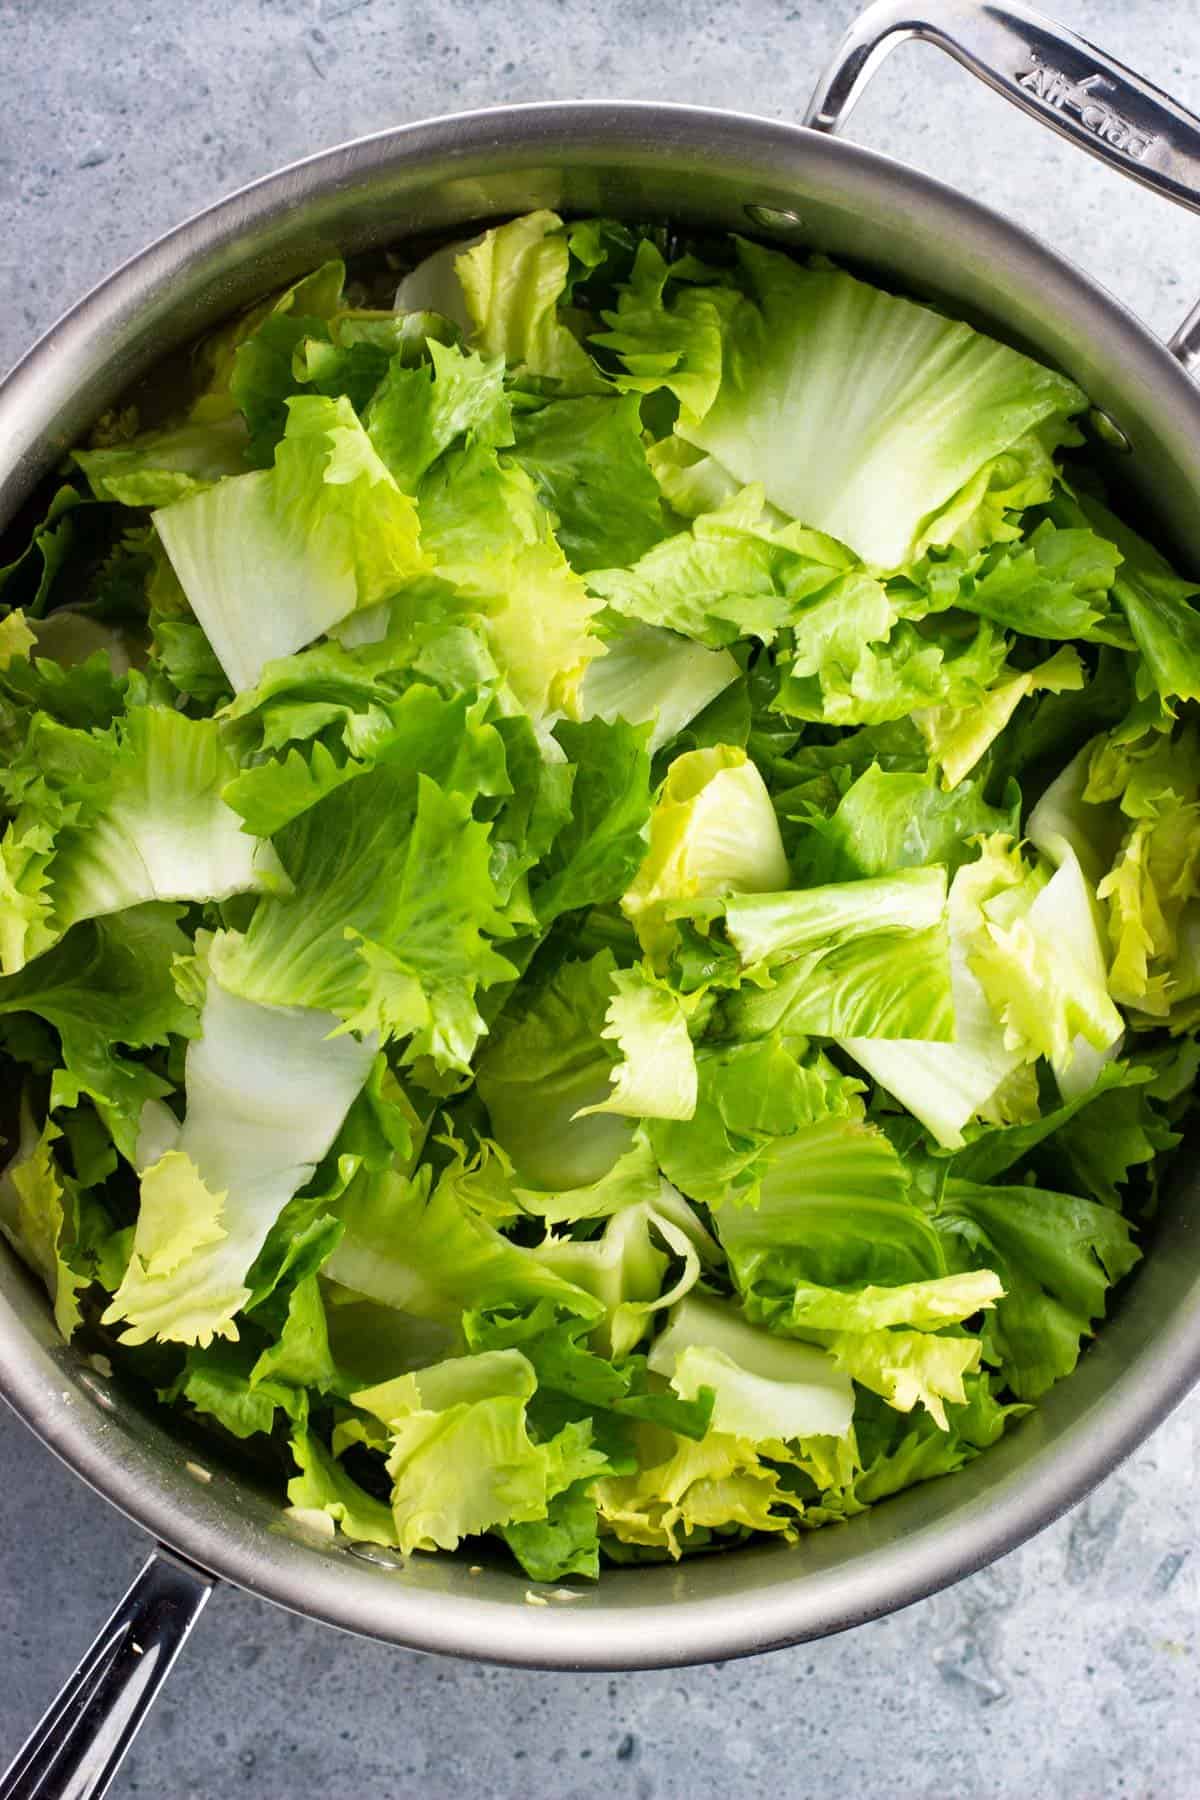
<point x="1066" y="1671"/>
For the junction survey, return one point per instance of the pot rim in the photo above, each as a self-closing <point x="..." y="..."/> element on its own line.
<point x="38" y="1377"/>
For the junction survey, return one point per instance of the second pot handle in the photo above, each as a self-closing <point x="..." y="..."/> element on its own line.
<point x="75" y="1749"/>
<point x="1048" y="72"/>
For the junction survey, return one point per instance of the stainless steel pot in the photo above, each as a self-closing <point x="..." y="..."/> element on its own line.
<point x="799" y="187"/>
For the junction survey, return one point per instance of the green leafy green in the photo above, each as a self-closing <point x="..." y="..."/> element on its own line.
<point x="599" y="893"/>
<point x="327" y="529"/>
<point x="266" y="1092"/>
<point x="765" y="1387"/>
<point x="512" y="281"/>
<point x="932" y="407"/>
<point x="107" y="989"/>
<point x="1057" y="1256"/>
<point x="713" y="832"/>
<point x="588" y="463"/>
<point x="162" y="466"/>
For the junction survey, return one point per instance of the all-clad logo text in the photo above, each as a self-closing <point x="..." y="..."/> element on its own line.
<point x="1082" y="98"/>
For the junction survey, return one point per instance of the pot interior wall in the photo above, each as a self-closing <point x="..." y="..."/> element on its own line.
<point x="698" y="169"/>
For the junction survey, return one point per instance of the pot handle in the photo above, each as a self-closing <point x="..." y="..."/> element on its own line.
<point x="1048" y="72"/>
<point x="76" y="1748"/>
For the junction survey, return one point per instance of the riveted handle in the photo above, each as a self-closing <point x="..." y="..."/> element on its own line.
<point x="1052" y="75"/>
<point x="76" y="1748"/>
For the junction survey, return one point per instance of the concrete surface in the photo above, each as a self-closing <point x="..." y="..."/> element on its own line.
<point x="1068" y="1671"/>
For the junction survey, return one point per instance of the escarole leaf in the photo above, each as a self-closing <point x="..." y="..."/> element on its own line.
<point x="910" y="1367"/>
<point x="323" y="1487"/>
<point x="159" y="467"/>
<point x="947" y="1085"/>
<point x="588" y="463"/>
<point x="958" y="736"/>
<point x="713" y="832"/>
<point x="855" y="959"/>
<point x="267" y="1090"/>
<point x="748" y="1095"/>
<point x="628" y="1181"/>
<point x="689" y="482"/>
<point x="461" y="1458"/>
<point x="28" y="581"/>
<point x="390" y="923"/>
<point x="418" y="413"/>
<point x="35" y="1217"/>
<point x="574" y="1379"/>
<point x="765" y="1387"/>
<point x="218" y="1381"/>
<point x="566" y="1541"/>
<point x="890" y="819"/>
<point x="763" y="927"/>
<point x="858" y="672"/>
<point x="492" y="540"/>
<point x="1055" y="585"/>
<point x="319" y="720"/>
<point x="251" y="366"/>
<point x="143" y="816"/>
<point x="16" y="638"/>
<point x="602" y="843"/>
<point x="326" y="530"/>
<point x="944" y="1085"/>
<point x="729" y="577"/>
<point x="1057" y="1256"/>
<point x="482" y="1435"/>
<point x="837" y="1251"/>
<point x="1035" y="948"/>
<point x="921" y="1305"/>
<point x="626" y="1271"/>
<point x="1068" y="818"/>
<point x="655" y="677"/>
<point x="1157" y="605"/>
<point x="880" y="984"/>
<point x="425" y="1250"/>
<point x="671" y="341"/>
<point x="906" y="407"/>
<point x="834" y="1210"/>
<point x="656" y="1077"/>
<point x="1121" y="1129"/>
<point x="1127" y="810"/>
<point x="300" y="1356"/>
<point x="512" y="281"/>
<point x="107" y="989"/>
<point x="685" y="1495"/>
<point x="26" y="913"/>
<point x="544" y="1076"/>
